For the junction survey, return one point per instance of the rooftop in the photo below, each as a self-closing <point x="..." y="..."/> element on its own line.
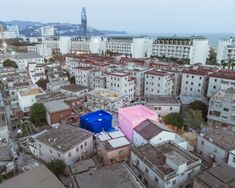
<point x="106" y="94"/>
<point x="74" y="87"/>
<point x="155" y="157"/>
<point x="136" y="112"/>
<point x="157" y="73"/>
<point x="224" y="138"/>
<point x="64" y="138"/>
<point x="225" y="74"/>
<point x="31" y="91"/>
<point x="218" y="176"/>
<point x="5" y="154"/>
<point x="28" y="55"/>
<point x="149" y="129"/>
<point x="56" y="106"/>
<point x="39" y="177"/>
<point x="169" y="100"/>
<point x="50" y="96"/>
<point x="118" y="176"/>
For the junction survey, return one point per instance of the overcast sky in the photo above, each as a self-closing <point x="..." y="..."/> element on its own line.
<point x="134" y="16"/>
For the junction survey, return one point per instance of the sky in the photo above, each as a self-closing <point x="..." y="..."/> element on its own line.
<point x="133" y="16"/>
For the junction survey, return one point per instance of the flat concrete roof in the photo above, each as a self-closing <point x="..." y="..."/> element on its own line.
<point x="64" y="138"/>
<point x="118" y="176"/>
<point x="224" y="138"/>
<point x="74" y="88"/>
<point x="219" y="176"/>
<point x="39" y="177"/>
<point x="167" y="100"/>
<point x="56" y="106"/>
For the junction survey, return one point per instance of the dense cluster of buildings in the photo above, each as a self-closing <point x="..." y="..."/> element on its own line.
<point x="104" y="106"/>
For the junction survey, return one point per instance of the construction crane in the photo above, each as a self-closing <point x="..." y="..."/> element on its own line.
<point x="3" y="44"/>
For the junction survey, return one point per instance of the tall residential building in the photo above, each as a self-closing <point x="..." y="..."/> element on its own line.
<point x="83" y="22"/>
<point x="137" y="47"/>
<point x="47" y="31"/>
<point x="194" y="49"/>
<point x="158" y="83"/>
<point x="221" y="79"/>
<point x="222" y="108"/>
<point x="121" y="82"/>
<point x="226" y="50"/>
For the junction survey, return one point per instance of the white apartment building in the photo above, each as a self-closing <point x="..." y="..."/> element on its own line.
<point x="27" y="97"/>
<point x="226" y="50"/>
<point x="106" y="99"/>
<point x="60" y="44"/>
<point x="164" y="166"/>
<point x="194" y="83"/>
<point x="88" y="45"/>
<point x="97" y="79"/>
<point x="158" y="83"/>
<point x="163" y="105"/>
<point x="47" y="31"/>
<point x="13" y="28"/>
<point x="66" y="143"/>
<point x="222" y="79"/>
<point x="137" y="47"/>
<point x="22" y="59"/>
<point x="217" y="145"/>
<point x="36" y="72"/>
<point x="194" y="49"/>
<point x="121" y="82"/>
<point x="222" y="108"/>
<point x="41" y="49"/>
<point x="82" y="75"/>
<point x="154" y="133"/>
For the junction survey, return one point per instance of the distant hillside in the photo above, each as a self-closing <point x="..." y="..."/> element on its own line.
<point x="32" y="29"/>
<point x="23" y="24"/>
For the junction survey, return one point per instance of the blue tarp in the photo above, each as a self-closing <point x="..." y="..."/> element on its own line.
<point x="97" y="121"/>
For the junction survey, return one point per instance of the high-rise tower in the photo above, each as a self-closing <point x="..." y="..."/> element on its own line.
<point x="83" y="22"/>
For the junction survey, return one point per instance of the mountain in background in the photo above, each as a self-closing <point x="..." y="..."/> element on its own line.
<point x="33" y="29"/>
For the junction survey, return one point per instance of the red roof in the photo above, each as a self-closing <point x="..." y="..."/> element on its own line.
<point x="226" y="74"/>
<point x="157" y="73"/>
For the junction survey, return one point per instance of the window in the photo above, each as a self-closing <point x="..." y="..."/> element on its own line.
<point x="69" y="154"/>
<point x="171" y="108"/>
<point x="174" y="182"/>
<point x="226" y="109"/>
<point x="81" y="146"/>
<point x="77" y="149"/>
<point x="85" y="143"/>
<point x="156" y="179"/>
<point x="137" y="162"/>
<point x="202" y="142"/>
<point x="50" y="151"/>
<point x="146" y="170"/>
<point x="58" y="154"/>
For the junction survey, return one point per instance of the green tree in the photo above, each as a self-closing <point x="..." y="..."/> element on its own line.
<point x="42" y="83"/>
<point x="193" y="119"/>
<point x="10" y="63"/>
<point x="57" y="167"/>
<point x="201" y="106"/>
<point x="212" y="57"/>
<point x="37" y="114"/>
<point x="174" y="119"/>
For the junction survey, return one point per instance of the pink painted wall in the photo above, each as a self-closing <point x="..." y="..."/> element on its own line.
<point x="130" y="117"/>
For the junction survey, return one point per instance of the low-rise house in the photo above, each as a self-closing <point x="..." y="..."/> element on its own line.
<point x="153" y="133"/>
<point x="222" y="108"/>
<point x="6" y="160"/>
<point x="36" y="72"/>
<point x="163" y="105"/>
<point x="218" y="176"/>
<point x="106" y="99"/>
<point x="39" y="177"/>
<point x="217" y="145"/>
<point x="54" y="86"/>
<point x="165" y="165"/>
<point x="4" y="133"/>
<point x="74" y="90"/>
<point x="130" y="117"/>
<point x="56" y="110"/>
<point x="27" y="97"/>
<point x="112" y="147"/>
<point x="118" y="175"/>
<point x="14" y="89"/>
<point x="66" y="143"/>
